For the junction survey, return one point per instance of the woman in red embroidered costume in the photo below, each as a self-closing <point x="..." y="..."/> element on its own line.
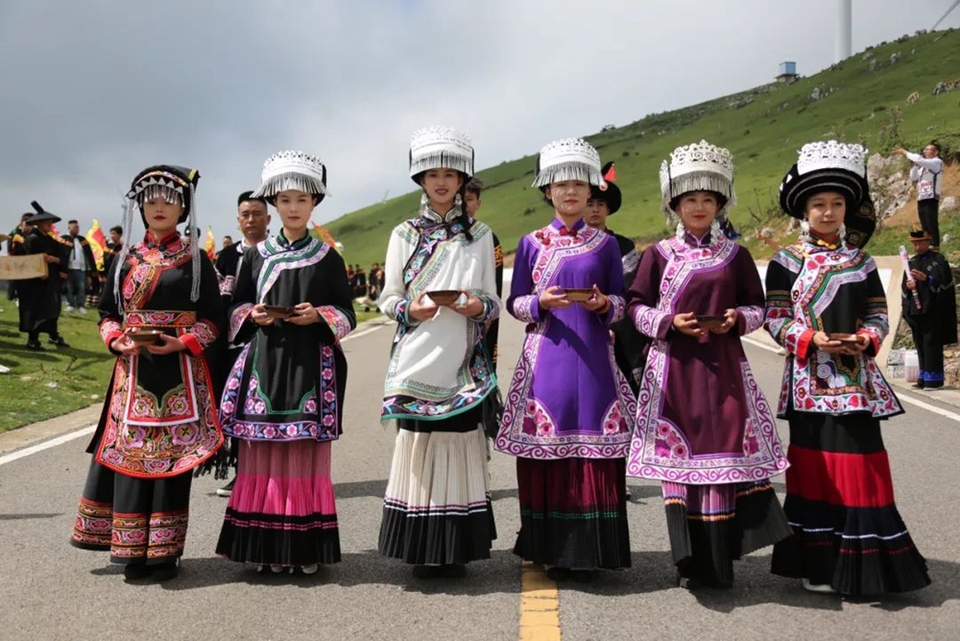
<point x="826" y="306"/>
<point x="159" y="419"/>
<point x="283" y="399"/>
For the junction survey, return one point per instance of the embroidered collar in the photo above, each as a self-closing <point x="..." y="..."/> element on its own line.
<point x="433" y="217"/>
<point x="822" y="241"/>
<point x="560" y="227"/>
<point x="707" y="240"/>
<point x="286" y="245"/>
<point x="169" y="244"/>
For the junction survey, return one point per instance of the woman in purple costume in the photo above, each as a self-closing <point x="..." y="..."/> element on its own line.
<point x="713" y="450"/>
<point x="570" y="439"/>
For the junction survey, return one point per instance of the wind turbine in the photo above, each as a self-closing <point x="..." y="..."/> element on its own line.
<point x="944" y="16"/>
<point x="843" y="45"/>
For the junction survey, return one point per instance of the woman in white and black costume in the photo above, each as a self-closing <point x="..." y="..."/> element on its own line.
<point x="437" y="513"/>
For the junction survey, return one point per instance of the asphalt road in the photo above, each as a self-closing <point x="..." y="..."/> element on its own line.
<point x="50" y="590"/>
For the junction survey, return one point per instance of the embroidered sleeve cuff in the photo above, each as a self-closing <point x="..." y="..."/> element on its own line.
<point x="110" y="329"/>
<point x="491" y="308"/>
<point x="204" y="333"/>
<point x="804" y="343"/>
<point x="749" y="319"/>
<point x="338" y="322"/>
<point x="874" y="347"/>
<point x="237" y="319"/>
<point x="193" y="345"/>
<point x="616" y="307"/>
<point x="527" y="308"/>
<point x="651" y="322"/>
<point x="227" y="285"/>
<point x="109" y="341"/>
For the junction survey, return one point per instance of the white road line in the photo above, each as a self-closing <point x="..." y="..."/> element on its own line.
<point x="369" y="330"/>
<point x="910" y="400"/>
<point x="46" y="445"/>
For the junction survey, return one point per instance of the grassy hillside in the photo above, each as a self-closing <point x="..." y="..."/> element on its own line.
<point x="763" y="128"/>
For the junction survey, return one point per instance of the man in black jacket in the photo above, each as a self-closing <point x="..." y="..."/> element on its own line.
<point x="40" y="297"/>
<point x="929" y="308"/>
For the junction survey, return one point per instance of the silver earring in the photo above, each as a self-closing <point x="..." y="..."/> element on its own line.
<point x="457" y="200"/>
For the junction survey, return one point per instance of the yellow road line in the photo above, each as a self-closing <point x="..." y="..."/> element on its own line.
<point x="539" y="605"/>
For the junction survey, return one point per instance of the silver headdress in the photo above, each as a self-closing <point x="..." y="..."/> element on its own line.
<point x="440" y="148"/>
<point x="697" y="167"/>
<point x="568" y="159"/>
<point x="295" y="170"/>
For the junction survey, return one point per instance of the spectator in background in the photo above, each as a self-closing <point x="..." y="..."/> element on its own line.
<point x="927" y="172"/>
<point x="80" y="267"/>
<point x="472" y="202"/>
<point x="114" y="245"/>
<point x="40" y="297"/>
<point x="16" y="246"/>
<point x="373" y="284"/>
<point x="253" y="219"/>
<point x="360" y="282"/>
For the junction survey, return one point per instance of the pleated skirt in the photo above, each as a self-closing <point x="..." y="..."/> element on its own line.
<point x="847" y="531"/>
<point x="282" y="510"/>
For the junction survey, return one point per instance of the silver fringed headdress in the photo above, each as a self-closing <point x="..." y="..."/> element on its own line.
<point x="698" y="167"/>
<point x="568" y="159"/>
<point x="292" y="170"/>
<point x="440" y="148"/>
<point x="175" y="185"/>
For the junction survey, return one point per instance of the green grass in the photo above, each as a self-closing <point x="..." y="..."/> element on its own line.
<point x="763" y="135"/>
<point x="46" y="384"/>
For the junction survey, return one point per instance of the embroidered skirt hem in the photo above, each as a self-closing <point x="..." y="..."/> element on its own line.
<point x="437" y="509"/>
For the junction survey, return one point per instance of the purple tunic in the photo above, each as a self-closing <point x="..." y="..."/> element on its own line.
<point x="702" y="418"/>
<point x="567" y="398"/>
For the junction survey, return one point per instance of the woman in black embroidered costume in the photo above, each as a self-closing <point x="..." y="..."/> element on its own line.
<point x="826" y="307"/>
<point x="159" y="419"/>
<point x="284" y="396"/>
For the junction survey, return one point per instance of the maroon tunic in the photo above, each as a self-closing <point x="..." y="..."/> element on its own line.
<point x="701" y="417"/>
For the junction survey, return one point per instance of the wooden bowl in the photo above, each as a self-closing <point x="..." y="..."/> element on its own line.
<point x="444" y="297"/>
<point x="145" y="336"/>
<point x="578" y="294"/>
<point x="278" y="311"/>
<point x="842" y="337"/>
<point x="710" y="322"/>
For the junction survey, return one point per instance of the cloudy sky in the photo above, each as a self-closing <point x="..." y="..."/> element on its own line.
<point x="94" y="91"/>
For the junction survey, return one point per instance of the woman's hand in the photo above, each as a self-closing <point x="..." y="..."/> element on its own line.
<point x="554" y="298"/>
<point x="125" y="346"/>
<point x="471" y="308"/>
<point x="420" y="310"/>
<point x="260" y="316"/>
<point x="686" y="323"/>
<point x="168" y="345"/>
<point x="825" y="344"/>
<point x="596" y="302"/>
<point x="304" y="314"/>
<point x="729" y="320"/>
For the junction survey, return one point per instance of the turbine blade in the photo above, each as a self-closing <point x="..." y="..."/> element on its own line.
<point x="944" y="16"/>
